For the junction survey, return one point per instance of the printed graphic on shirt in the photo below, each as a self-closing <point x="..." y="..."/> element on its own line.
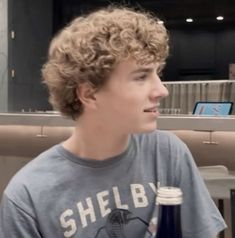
<point x="117" y="218"/>
<point x="119" y="224"/>
<point x="153" y="227"/>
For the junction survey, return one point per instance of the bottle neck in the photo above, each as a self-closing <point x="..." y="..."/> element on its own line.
<point x="169" y="221"/>
<point x="169" y="212"/>
<point x="169" y="202"/>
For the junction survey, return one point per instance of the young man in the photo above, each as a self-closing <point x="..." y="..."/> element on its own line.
<point x="103" y="71"/>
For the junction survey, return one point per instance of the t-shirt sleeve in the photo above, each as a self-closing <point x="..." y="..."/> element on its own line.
<point x="15" y="222"/>
<point x="200" y="216"/>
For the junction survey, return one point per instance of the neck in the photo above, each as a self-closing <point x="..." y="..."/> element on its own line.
<point x="98" y="142"/>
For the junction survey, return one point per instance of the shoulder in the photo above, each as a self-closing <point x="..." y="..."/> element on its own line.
<point x="32" y="174"/>
<point x="162" y="139"/>
<point x="162" y="146"/>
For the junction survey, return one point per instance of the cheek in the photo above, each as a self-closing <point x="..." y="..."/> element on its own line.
<point x="125" y="102"/>
<point x="130" y="109"/>
<point x="131" y="102"/>
<point x="136" y="101"/>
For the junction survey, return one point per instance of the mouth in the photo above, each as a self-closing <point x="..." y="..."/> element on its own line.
<point x="153" y="109"/>
<point x="150" y="110"/>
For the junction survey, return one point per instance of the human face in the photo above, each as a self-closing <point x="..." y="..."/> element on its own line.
<point x="129" y="101"/>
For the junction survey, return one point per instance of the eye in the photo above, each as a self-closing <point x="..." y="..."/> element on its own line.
<point x="141" y="77"/>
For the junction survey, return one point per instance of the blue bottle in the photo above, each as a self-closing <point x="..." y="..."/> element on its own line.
<point x="169" y="200"/>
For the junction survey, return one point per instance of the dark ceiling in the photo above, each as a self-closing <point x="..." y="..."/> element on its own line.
<point x="173" y="12"/>
<point x="202" y="11"/>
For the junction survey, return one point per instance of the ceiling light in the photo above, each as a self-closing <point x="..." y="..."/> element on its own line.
<point x="220" y="18"/>
<point x="189" y="20"/>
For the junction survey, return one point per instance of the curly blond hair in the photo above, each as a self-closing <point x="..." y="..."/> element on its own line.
<point x="91" y="46"/>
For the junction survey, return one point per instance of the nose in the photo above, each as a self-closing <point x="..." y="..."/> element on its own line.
<point x="164" y="90"/>
<point x="159" y="90"/>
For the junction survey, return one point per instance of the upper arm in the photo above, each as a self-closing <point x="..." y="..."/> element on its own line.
<point x="15" y="222"/>
<point x="200" y="216"/>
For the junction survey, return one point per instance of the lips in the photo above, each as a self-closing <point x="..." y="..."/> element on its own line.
<point x="151" y="109"/>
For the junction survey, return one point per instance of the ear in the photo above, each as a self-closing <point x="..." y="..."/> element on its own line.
<point x="86" y="94"/>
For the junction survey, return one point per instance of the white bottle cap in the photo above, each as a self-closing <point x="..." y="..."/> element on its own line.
<point x="169" y="196"/>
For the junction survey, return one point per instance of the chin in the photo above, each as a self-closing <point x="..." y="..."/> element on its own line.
<point x="147" y="129"/>
<point x="150" y="130"/>
<point x="151" y="126"/>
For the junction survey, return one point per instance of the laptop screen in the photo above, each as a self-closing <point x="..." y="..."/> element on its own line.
<point x="213" y="108"/>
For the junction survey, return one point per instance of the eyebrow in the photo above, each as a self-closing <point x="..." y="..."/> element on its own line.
<point x="142" y="70"/>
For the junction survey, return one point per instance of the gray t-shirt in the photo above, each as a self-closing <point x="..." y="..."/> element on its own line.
<point x="59" y="195"/>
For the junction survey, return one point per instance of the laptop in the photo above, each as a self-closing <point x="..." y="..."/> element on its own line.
<point x="213" y="108"/>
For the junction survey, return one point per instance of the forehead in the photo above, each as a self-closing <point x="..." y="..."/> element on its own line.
<point x="131" y="66"/>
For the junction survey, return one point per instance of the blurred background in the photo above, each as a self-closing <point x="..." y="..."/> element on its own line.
<point x="202" y="48"/>
<point x="200" y="67"/>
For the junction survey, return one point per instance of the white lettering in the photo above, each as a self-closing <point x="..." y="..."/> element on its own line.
<point x="103" y="203"/>
<point x="118" y="199"/>
<point x="86" y="212"/>
<point x="139" y="196"/>
<point x="71" y="224"/>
